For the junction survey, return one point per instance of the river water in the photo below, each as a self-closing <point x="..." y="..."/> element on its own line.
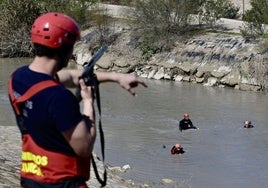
<point x="220" y="154"/>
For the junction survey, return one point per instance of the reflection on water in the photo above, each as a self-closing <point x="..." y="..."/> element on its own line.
<point x="220" y="154"/>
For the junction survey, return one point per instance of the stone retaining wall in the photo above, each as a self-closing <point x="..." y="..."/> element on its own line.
<point x="212" y="60"/>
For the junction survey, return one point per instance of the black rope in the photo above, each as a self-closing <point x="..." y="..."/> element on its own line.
<point x="103" y="181"/>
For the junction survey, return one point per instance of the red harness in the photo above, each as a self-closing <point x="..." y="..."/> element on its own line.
<point x="38" y="163"/>
<point x="29" y="93"/>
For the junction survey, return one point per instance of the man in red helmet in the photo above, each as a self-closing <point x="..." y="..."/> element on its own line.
<point x="177" y="149"/>
<point x="57" y="138"/>
<point x="186" y="123"/>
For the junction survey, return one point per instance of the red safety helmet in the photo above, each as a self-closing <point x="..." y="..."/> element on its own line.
<point x="54" y="29"/>
<point x="185" y="115"/>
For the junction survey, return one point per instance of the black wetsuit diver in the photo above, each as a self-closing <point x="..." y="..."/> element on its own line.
<point x="186" y="124"/>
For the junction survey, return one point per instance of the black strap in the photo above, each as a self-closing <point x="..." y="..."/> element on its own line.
<point x="104" y="180"/>
<point x="101" y="181"/>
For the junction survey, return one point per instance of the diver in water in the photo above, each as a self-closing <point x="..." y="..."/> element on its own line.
<point x="247" y="124"/>
<point x="177" y="149"/>
<point x="186" y="123"/>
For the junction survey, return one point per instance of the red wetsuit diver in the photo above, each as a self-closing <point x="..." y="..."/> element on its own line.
<point x="177" y="149"/>
<point x="247" y="124"/>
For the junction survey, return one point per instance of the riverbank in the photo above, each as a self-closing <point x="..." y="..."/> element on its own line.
<point x="10" y="163"/>
<point x="216" y="58"/>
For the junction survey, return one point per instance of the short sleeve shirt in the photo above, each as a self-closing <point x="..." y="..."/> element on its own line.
<point x="49" y="112"/>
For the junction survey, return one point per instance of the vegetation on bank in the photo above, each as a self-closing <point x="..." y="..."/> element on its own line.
<point x="169" y="21"/>
<point x="166" y="21"/>
<point x="17" y="17"/>
<point x="256" y="20"/>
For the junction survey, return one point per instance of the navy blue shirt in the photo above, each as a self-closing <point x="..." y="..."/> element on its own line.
<point x="48" y="112"/>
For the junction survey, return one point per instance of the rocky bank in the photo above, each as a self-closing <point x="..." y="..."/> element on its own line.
<point x="221" y="58"/>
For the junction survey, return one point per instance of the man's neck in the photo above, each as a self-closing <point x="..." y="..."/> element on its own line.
<point x="44" y="65"/>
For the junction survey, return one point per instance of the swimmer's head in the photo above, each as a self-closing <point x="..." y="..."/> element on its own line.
<point x="247" y="124"/>
<point x="186" y="115"/>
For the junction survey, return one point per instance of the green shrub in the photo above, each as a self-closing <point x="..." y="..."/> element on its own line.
<point x="229" y="10"/>
<point x="17" y="17"/>
<point x="213" y="10"/>
<point x="159" y="22"/>
<point x="256" y="18"/>
<point x="78" y="10"/>
<point x="147" y="50"/>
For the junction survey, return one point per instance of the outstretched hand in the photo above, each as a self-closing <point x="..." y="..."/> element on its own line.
<point x="129" y="82"/>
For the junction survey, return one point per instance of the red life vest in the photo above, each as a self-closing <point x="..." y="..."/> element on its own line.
<point x="38" y="163"/>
